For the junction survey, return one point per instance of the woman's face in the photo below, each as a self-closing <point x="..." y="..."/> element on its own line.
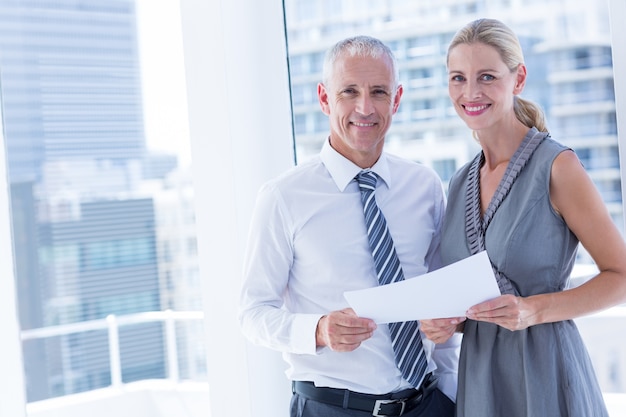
<point x="481" y="86"/>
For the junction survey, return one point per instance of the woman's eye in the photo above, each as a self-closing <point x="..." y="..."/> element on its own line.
<point x="487" y="77"/>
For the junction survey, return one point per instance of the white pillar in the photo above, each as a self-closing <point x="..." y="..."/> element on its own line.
<point x="617" y="15"/>
<point x="241" y="135"/>
<point x="12" y="391"/>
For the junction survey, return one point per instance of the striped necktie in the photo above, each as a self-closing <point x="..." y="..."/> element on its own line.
<point x="405" y="336"/>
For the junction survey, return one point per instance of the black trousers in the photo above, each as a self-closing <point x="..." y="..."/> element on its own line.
<point x="437" y="404"/>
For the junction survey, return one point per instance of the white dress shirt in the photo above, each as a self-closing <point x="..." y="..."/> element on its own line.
<point x="308" y="245"/>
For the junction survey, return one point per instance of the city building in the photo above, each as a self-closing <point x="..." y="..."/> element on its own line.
<point x="85" y="230"/>
<point x="567" y="51"/>
<point x="569" y="60"/>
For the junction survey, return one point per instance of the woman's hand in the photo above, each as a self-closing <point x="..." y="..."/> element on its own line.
<point x="508" y="311"/>
<point x="440" y="330"/>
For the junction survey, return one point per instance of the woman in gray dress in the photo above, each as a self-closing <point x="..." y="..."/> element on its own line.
<point x="527" y="201"/>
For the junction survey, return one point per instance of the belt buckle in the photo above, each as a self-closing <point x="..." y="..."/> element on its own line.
<point x="379" y="403"/>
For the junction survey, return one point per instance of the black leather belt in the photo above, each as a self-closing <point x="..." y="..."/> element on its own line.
<point x="394" y="404"/>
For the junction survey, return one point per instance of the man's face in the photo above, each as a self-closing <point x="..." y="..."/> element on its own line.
<point x="360" y="100"/>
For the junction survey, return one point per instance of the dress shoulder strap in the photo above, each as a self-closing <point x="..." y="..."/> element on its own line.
<point x="475" y="227"/>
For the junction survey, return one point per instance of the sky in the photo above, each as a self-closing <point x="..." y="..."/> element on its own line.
<point x="163" y="77"/>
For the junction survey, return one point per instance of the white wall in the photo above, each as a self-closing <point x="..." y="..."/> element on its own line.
<point x="240" y="128"/>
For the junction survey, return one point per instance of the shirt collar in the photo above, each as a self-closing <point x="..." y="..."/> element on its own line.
<point x="342" y="170"/>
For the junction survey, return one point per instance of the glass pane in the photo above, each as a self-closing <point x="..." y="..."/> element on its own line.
<point x="94" y="118"/>
<point x="567" y="51"/>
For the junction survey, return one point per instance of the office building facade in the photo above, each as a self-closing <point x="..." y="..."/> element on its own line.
<point x="85" y="244"/>
<point x="567" y="50"/>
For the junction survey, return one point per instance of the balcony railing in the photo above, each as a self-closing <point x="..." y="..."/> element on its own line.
<point x="86" y="339"/>
<point x="607" y="349"/>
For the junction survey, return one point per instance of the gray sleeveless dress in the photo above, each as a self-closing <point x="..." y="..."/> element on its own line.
<point x="543" y="370"/>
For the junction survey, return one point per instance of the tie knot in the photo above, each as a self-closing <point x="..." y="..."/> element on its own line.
<point x="367" y="180"/>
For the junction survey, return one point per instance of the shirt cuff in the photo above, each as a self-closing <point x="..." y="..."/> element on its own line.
<point x="303" y="332"/>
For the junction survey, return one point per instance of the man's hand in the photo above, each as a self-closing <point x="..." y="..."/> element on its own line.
<point x="343" y="330"/>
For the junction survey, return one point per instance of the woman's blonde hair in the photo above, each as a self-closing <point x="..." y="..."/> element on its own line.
<point x="496" y="34"/>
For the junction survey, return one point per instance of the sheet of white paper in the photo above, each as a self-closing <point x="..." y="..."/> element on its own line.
<point x="446" y="292"/>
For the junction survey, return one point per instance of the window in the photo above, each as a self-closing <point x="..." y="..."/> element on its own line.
<point x="93" y="192"/>
<point x="570" y="76"/>
<point x="445" y="168"/>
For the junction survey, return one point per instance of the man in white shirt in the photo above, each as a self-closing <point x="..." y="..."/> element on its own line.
<point x="308" y="244"/>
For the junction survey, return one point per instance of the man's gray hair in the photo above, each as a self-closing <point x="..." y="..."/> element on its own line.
<point x="358" y="46"/>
